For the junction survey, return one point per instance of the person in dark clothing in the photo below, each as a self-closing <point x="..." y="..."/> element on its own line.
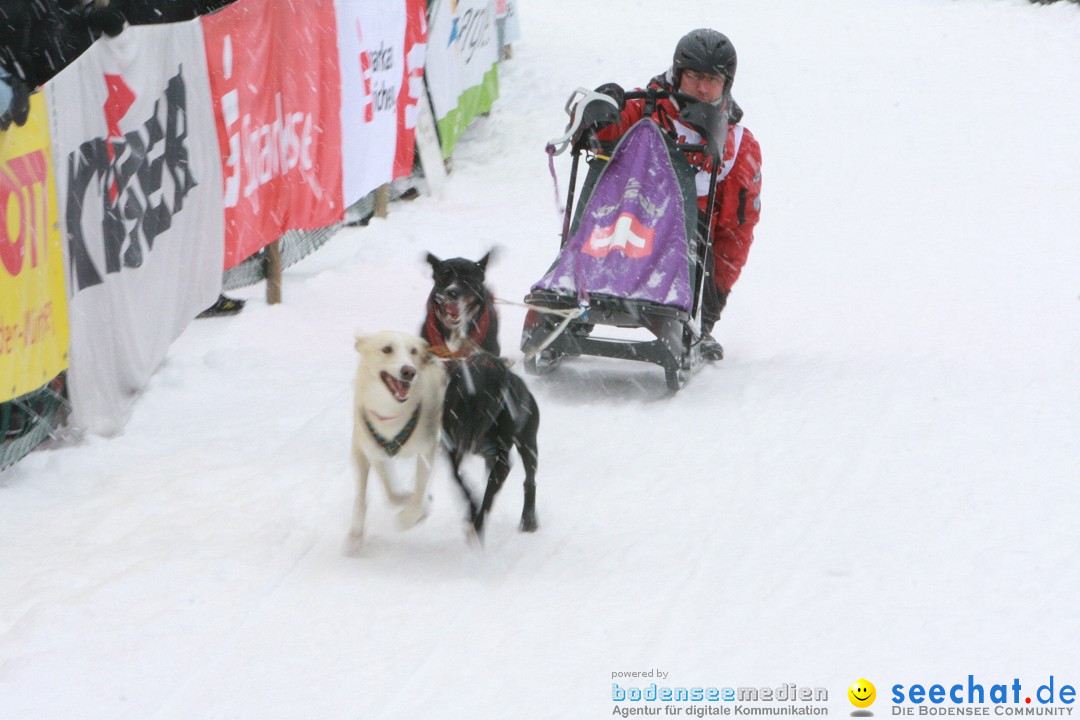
<point x="151" y="12"/>
<point x="39" y="38"/>
<point x="14" y="100"/>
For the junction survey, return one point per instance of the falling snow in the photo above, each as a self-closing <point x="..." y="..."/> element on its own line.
<point x="879" y="480"/>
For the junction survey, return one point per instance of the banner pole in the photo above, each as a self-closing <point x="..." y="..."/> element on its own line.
<point x="382" y="200"/>
<point x="273" y="272"/>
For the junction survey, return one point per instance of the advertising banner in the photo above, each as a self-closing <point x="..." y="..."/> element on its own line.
<point x="462" y="69"/>
<point x="139" y="191"/>
<point x="382" y="45"/>
<point x="277" y="99"/>
<point x="33" y="303"/>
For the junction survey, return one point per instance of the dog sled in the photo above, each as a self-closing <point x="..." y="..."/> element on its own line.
<point x="633" y="252"/>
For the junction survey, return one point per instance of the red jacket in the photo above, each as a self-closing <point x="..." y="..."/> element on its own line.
<point x="738" y="203"/>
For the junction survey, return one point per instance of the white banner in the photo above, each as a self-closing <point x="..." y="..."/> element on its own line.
<point x="461" y="71"/>
<point x="140" y="197"/>
<point x="381" y="56"/>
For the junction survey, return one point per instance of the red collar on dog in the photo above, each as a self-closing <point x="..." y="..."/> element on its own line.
<point x="473" y="341"/>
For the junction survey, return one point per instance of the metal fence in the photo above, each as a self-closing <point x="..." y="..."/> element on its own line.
<point x="28" y="420"/>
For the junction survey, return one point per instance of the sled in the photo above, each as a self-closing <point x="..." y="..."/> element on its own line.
<point x="633" y="252"/>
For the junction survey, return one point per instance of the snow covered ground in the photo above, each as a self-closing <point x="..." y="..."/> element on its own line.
<point x="881" y="480"/>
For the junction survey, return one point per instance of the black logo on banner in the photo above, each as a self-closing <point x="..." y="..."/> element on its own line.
<point x="140" y="179"/>
<point x="475" y="32"/>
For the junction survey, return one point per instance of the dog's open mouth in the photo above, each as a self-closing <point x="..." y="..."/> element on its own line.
<point x="398" y="388"/>
<point x="454" y="312"/>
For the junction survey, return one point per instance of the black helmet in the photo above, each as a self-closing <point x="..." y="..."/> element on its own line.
<point x="707" y="51"/>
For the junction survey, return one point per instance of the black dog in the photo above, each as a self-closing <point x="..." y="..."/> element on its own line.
<point x="461" y="315"/>
<point x="487" y="410"/>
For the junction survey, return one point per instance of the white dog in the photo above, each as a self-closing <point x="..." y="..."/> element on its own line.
<point x="397" y="414"/>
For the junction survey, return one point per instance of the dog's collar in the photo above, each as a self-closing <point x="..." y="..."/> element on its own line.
<point x="393" y="446"/>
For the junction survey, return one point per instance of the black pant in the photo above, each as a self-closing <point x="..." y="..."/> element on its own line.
<point x="713" y="299"/>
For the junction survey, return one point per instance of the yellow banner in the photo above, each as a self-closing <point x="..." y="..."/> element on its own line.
<point x="33" y="301"/>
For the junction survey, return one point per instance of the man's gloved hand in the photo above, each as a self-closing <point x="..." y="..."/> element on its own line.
<point x="107" y="19"/>
<point x="710" y="121"/>
<point x="597" y="113"/>
<point x="614" y="91"/>
<point x="19" y="109"/>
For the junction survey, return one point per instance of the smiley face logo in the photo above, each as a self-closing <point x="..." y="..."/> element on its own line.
<point x="862" y="693"/>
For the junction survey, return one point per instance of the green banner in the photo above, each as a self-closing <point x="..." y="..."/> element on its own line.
<point x="474" y="101"/>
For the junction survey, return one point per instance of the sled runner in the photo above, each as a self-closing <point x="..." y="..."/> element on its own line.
<point x="634" y="253"/>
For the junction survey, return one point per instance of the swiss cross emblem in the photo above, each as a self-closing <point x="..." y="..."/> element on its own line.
<point x="626" y="234"/>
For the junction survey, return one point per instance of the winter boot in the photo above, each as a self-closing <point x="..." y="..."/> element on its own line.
<point x="710" y="349"/>
<point x="223" y="306"/>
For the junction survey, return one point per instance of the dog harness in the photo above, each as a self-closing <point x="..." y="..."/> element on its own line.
<point x="473" y="342"/>
<point x="392" y="446"/>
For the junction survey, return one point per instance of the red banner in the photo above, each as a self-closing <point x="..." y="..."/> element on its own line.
<point x="412" y="86"/>
<point x="276" y="88"/>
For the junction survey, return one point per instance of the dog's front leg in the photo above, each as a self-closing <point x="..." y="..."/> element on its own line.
<point x="455" y="465"/>
<point x="528" y="511"/>
<point x="417" y="509"/>
<point x="354" y="541"/>
<point x="498" y="463"/>
<point x="382" y="469"/>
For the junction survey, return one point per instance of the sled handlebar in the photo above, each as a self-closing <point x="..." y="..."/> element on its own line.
<point x="657" y="93"/>
<point x="589" y="110"/>
<point x="586" y="108"/>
